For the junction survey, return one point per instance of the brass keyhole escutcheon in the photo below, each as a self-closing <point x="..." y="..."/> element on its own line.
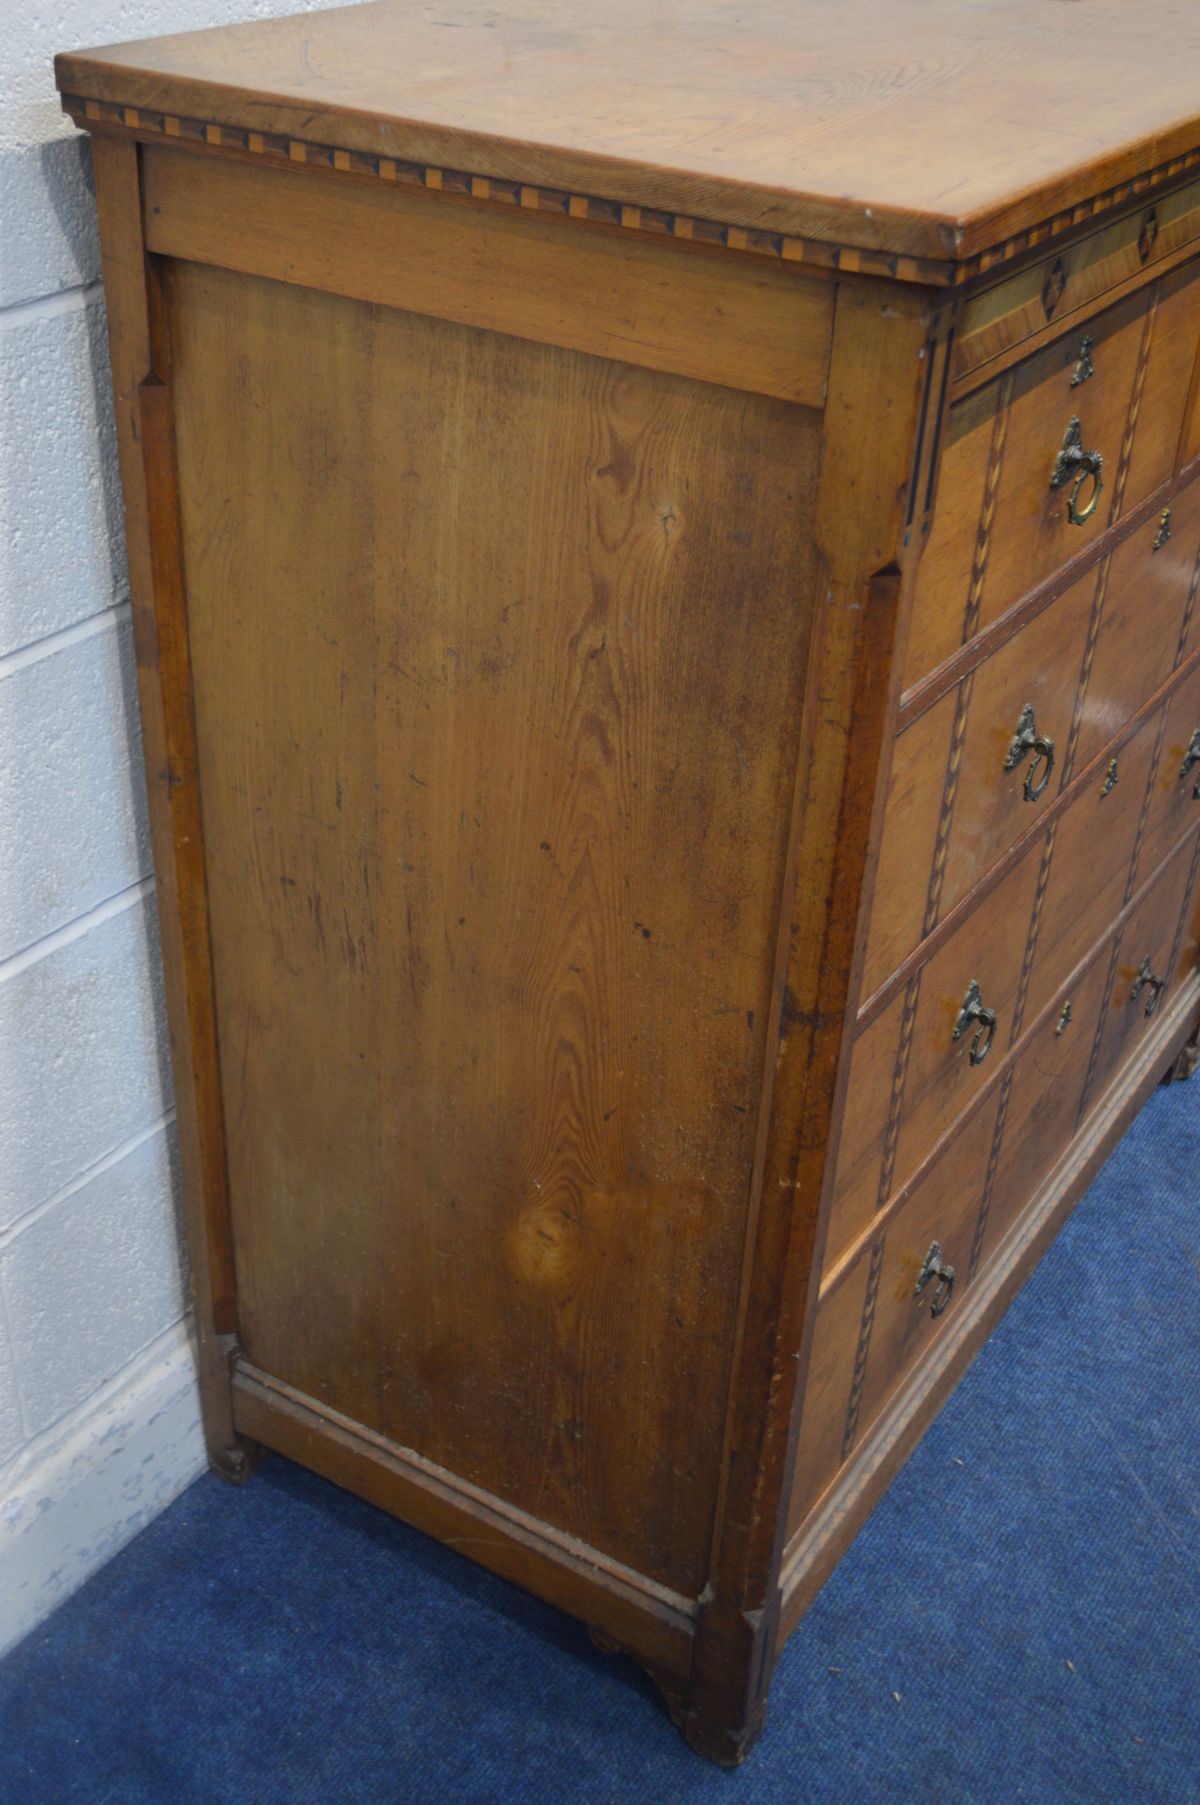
<point x="1076" y="466"/>
<point x="974" y="1011"/>
<point x="1164" y="530"/>
<point x="1110" y="778"/>
<point x="1147" y="979"/>
<point x="935" y="1267"/>
<point x="1064" y="1021"/>
<point x="1028" y="739"/>
<point x="1084" y="367"/>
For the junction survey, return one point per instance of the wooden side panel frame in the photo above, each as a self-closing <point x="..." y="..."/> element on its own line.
<point x="145" y="449"/>
<point x="741" y="322"/>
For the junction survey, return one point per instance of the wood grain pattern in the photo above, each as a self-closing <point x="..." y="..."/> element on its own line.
<point x="168" y="744"/>
<point x="891" y="127"/>
<point x="1154" y="931"/>
<point x="730" y="320"/>
<point x="1172" y="802"/>
<point x="1142" y="621"/>
<point x="589" y="560"/>
<point x="940" y="1080"/>
<point x="1029" y="533"/>
<point x="821" y="1540"/>
<point x="1010" y="318"/>
<point x="476" y="861"/>
<point x="874" y="455"/>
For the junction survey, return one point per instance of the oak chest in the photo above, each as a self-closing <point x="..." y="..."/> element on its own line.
<point x="665" y="546"/>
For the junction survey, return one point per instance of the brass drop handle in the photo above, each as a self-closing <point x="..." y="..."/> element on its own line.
<point x="1190" y="758"/>
<point x="1028" y="739"/>
<point x="973" y="1010"/>
<point x="1156" y="986"/>
<point x="1076" y="466"/>
<point x="935" y="1268"/>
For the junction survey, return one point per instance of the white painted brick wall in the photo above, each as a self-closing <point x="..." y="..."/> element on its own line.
<point x="73" y="825"/>
<point x="106" y="1259"/>
<point x="98" y="1421"/>
<point x="62" y="550"/>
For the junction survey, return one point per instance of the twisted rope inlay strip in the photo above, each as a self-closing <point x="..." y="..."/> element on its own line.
<point x="1144" y="812"/>
<point x="891" y="1133"/>
<point x="1094" y="1056"/>
<point x="941" y="844"/>
<point x="1031" y="939"/>
<point x="1085" y="669"/>
<point x="987" y="510"/>
<point x="985" y="1201"/>
<point x="859" y="1376"/>
<point x="1189" y="609"/>
<point x="962" y="706"/>
<point x="1135" y="406"/>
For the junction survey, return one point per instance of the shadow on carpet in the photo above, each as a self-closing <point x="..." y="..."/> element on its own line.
<point x="1020" y="1620"/>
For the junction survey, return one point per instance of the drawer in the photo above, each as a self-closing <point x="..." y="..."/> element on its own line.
<point x="1161" y="428"/>
<point x="997" y="319"/>
<point x="999" y="527"/>
<point x="954" y="808"/>
<point x="1175" y="794"/>
<point x="1157" y="946"/>
<point x="909" y="1076"/>
<point x="1091" y="872"/>
<point x="1143" y="618"/>
<point x="1045" y="1096"/>
<point x="872" y="1325"/>
<point x="871" y="1307"/>
<point x="954" y="776"/>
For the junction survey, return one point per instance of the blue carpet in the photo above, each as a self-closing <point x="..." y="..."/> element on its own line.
<point x="1020" y="1620"/>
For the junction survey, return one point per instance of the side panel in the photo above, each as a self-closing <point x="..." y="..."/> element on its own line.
<point x="498" y="658"/>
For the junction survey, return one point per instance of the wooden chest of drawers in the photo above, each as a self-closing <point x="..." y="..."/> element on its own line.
<point x="665" y="551"/>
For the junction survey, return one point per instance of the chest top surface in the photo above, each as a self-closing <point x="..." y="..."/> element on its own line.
<point x="927" y="128"/>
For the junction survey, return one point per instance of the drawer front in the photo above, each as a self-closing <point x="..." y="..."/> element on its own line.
<point x="870" y="1328"/>
<point x="996" y="320"/>
<point x="913" y="1069"/>
<point x="1144" y="620"/>
<point x="1157" y="947"/>
<point x="1175" y="793"/>
<point x="962" y="789"/>
<point x="1090" y="875"/>
<point x="910" y="1074"/>
<point x="873" y="1325"/>
<point x="1040" y="1103"/>
<point x="1000" y="528"/>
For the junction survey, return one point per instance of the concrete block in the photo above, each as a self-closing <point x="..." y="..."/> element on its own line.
<point x="46" y="202"/>
<point x="85" y="1053"/>
<point x="50" y="240"/>
<point x="62" y="552"/>
<point x="92" y="1280"/>
<point x="73" y="824"/>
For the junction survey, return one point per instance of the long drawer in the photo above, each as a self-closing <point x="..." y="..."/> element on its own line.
<point x="1018" y="494"/>
<point x="925" y="1052"/>
<point x="974" y="772"/>
<point x="885" y="1302"/>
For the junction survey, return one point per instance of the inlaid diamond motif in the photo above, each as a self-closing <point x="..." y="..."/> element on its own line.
<point x="1053" y="286"/>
